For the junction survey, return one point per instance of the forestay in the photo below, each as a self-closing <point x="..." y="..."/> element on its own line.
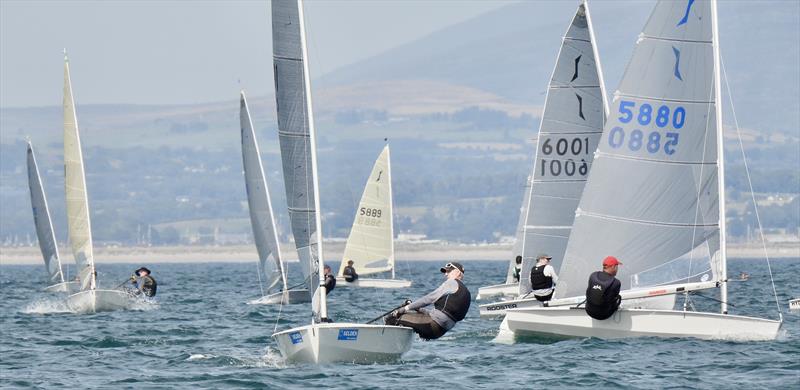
<point x="371" y="245"/>
<point x="571" y="126"/>
<point x="258" y="201"/>
<point x="296" y="134"/>
<point x="80" y="231"/>
<point x="652" y="196"/>
<point x="41" y="219"/>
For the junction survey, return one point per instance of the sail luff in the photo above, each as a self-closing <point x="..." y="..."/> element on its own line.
<point x="720" y="159"/>
<point x="391" y="210"/>
<point x="598" y="63"/>
<point x="262" y="218"/>
<point x="80" y="231"/>
<point x="519" y="238"/>
<point x="41" y="218"/>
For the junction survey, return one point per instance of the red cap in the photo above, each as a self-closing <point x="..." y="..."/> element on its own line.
<point x="610" y="261"/>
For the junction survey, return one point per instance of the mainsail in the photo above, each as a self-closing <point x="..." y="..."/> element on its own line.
<point x="371" y="245"/>
<point x="652" y="196"/>
<point x="258" y="200"/>
<point x="572" y="123"/>
<point x="297" y="140"/>
<point x="80" y="231"/>
<point x="41" y="218"/>
<point x="516" y="250"/>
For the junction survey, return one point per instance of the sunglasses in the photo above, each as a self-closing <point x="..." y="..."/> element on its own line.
<point x="450" y="267"/>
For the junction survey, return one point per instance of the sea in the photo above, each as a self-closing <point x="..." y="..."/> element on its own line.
<point x="203" y="334"/>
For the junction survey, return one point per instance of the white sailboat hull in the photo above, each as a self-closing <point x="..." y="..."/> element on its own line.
<point x="374" y="283"/>
<point x="289" y="297"/>
<point x="626" y="323"/>
<point x="343" y="342"/>
<point x="68" y="287"/>
<point x="510" y="290"/>
<point x="93" y="301"/>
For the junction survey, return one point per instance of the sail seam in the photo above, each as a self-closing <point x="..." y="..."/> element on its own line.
<point x="675" y="39"/>
<point x="297" y="135"/>
<point x="663" y="99"/>
<point x="541" y="133"/>
<point x="287" y="58"/>
<point x="558" y="181"/>
<point x="624" y="157"/>
<point x="577" y="39"/>
<point x="643" y="222"/>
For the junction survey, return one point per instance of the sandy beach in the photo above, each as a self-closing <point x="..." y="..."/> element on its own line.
<point x="247" y="253"/>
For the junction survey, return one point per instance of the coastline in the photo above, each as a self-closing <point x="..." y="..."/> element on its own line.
<point x="404" y="251"/>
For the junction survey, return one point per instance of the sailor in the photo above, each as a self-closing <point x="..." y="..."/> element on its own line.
<point x="330" y="280"/>
<point x="602" y="294"/>
<point x="450" y="304"/>
<point x="543" y="278"/>
<point x="349" y="272"/>
<point x="145" y="284"/>
<point x="517" y="268"/>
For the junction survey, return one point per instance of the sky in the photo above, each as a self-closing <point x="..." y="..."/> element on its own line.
<point x="190" y="51"/>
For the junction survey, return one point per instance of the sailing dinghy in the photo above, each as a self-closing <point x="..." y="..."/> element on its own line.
<point x="371" y="242"/>
<point x="270" y="267"/>
<point x="574" y="113"/>
<point x="44" y="230"/>
<point x="655" y="195"/>
<point x="89" y="299"/>
<point x="321" y="341"/>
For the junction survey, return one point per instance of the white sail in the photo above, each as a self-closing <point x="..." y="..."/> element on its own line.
<point x="261" y="217"/>
<point x="519" y="238"/>
<point x="297" y="141"/>
<point x="371" y="242"/>
<point x="652" y="196"/>
<point x="80" y="230"/>
<point x="572" y="122"/>
<point x="42" y="221"/>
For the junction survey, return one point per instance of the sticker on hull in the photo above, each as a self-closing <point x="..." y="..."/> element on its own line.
<point x="348" y="334"/>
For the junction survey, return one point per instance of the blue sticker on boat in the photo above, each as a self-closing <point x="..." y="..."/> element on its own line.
<point x="348" y="334"/>
<point x="296" y="337"/>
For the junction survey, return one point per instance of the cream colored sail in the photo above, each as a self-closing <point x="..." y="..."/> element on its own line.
<point x="80" y="231"/>
<point x="371" y="245"/>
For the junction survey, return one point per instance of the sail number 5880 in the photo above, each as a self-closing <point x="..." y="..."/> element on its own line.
<point x="653" y="141"/>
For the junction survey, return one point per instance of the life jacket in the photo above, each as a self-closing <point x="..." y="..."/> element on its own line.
<point x="455" y="305"/>
<point x="538" y="280"/>
<point x="149" y="286"/>
<point x="598" y="292"/>
<point x="350" y="274"/>
<point x="330" y="284"/>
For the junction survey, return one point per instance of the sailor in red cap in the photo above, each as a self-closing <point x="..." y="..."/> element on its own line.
<point x="602" y="294"/>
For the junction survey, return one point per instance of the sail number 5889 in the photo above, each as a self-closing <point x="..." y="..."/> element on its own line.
<point x="369" y="212"/>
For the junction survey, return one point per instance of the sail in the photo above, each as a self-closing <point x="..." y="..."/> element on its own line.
<point x="80" y="231"/>
<point x="371" y="245"/>
<point x="261" y="217"/>
<point x="41" y="219"/>
<point x="297" y="139"/>
<point x="572" y="123"/>
<point x="652" y="196"/>
<point x="519" y="238"/>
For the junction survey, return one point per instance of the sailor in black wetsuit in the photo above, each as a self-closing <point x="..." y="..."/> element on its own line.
<point x="602" y="294"/>
<point x="517" y="268"/>
<point x="349" y="272"/>
<point x="145" y="284"/>
<point x="450" y="304"/>
<point x="330" y="280"/>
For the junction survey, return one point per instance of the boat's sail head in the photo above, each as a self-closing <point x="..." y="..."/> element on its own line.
<point x="259" y="203"/>
<point x="370" y="244"/>
<point x="41" y="219"/>
<point x="80" y="231"/>
<point x="295" y="131"/>
<point x="570" y="130"/>
<point x="651" y="199"/>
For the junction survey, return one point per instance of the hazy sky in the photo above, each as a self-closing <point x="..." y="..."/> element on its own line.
<point x="183" y="52"/>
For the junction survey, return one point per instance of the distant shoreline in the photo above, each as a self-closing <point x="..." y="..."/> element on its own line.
<point x="247" y="253"/>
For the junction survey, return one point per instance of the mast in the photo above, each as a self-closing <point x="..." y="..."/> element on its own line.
<point x="597" y="61"/>
<point x="322" y="291"/>
<point x="720" y="160"/>
<point x="391" y="207"/>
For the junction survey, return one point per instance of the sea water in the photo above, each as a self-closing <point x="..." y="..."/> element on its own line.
<point x="203" y="334"/>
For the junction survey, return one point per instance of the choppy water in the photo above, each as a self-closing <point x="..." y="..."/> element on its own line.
<point x="204" y="335"/>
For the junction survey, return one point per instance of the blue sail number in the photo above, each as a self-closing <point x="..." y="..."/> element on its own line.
<point x="645" y="114"/>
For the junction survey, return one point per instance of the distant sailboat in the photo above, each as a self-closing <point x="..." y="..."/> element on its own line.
<point x="89" y="299"/>
<point x="270" y="266"/>
<point x="572" y="122"/>
<point x="322" y="341"/>
<point x="371" y="242"/>
<point x="655" y="197"/>
<point x="44" y="230"/>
